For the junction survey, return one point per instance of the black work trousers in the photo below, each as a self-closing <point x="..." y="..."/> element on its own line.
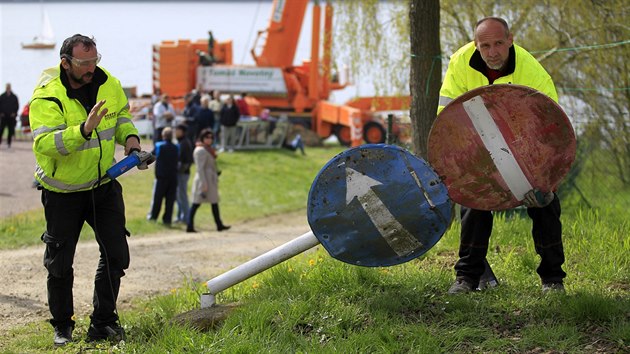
<point x="103" y="209"/>
<point x="165" y="189"/>
<point x="546" y="231"/>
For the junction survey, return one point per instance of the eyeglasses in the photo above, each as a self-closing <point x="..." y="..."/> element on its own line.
<point x="85" y="62"/>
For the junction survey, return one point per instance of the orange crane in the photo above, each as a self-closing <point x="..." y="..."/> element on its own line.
<point x="274" y="83"/>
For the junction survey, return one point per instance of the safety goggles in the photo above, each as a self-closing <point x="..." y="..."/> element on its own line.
<point x="85" y="62"/>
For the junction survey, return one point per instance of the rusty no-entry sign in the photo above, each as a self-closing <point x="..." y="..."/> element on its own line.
<point x="495" y="143"/>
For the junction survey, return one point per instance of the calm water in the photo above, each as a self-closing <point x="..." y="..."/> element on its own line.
<point x="125" y="33"/>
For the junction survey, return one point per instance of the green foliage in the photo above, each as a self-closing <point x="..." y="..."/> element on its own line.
<point x="372" y="38"/>
<point x="21" y="229"/>
<point x="596" y="182"/>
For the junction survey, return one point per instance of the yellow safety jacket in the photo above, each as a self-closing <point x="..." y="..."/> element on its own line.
<point x="66" y="161"/>
<point x="466" y="72"/>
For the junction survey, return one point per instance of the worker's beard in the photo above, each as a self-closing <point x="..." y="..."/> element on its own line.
<point x="81" y="80"/>
<point x="497" y="67"/>
<point x="494" y="64"/>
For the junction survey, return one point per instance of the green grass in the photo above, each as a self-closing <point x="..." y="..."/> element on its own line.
<point x="253" y="184"/>
<point x="313" y="303"/>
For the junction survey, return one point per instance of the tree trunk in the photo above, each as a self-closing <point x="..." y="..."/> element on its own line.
<point x="426" y="69"/>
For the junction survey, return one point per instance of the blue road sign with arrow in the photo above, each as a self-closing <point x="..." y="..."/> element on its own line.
<point x="378" y="205"/>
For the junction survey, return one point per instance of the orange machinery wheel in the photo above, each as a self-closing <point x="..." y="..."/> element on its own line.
<point x="373" y="133"/>
<point x="343" y="134"/>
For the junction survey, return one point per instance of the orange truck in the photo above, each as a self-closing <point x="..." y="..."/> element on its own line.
<point x="274" y="83"/>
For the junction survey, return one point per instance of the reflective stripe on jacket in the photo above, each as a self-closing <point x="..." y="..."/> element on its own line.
<point x="66" y="161"/>
<point x="461" y="76"/>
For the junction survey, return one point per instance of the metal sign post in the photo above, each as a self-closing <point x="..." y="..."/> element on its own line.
<point x="257" y="265"/>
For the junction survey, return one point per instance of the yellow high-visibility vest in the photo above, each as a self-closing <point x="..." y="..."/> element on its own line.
<point x="66" y="161"/>
<point x="461" y="75"/>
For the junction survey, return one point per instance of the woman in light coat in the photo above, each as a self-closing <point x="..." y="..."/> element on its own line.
<point x="206" y="183"/>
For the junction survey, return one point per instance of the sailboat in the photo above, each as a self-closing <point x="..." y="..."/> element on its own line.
<point x="46" y="39"/>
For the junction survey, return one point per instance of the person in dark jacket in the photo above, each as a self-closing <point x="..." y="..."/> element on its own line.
<point x="183" y="172"/>
<point x="193" y="105"/>
<point x="9" y="107"/>
<point x="204" y="118"/>
<point x="165" y="187"/>
<point x="229" y="118"/>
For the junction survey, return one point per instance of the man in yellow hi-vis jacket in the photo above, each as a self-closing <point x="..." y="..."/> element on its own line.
<point x="78" y="114"/>
<point x="493" y="58"/>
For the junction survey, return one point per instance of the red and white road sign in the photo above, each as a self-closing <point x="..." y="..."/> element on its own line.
<point x="493" y="144"/>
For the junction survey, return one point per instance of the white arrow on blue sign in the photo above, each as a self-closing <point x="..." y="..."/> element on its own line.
<point x="360" y="186"/>
<point x="378" y="205"/>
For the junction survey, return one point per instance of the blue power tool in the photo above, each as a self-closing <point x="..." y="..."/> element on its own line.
<point x="142" y="159"/>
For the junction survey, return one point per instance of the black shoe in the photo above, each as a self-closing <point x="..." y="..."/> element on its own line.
<point x="191" y="230"/>
<point x="223" y="227"/>
<point x="461" y="286"/>
<point x="552" y="287"/>
<point x="63" y="335"/>
<point x="113" y="333"/>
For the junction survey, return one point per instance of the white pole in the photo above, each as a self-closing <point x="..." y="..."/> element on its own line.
<point x="257" y="265"/>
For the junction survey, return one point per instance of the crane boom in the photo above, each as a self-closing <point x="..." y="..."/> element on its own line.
<point x="282" y="35"/>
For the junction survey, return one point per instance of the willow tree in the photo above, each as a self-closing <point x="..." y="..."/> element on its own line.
<point x="376" y="39"/>
<point x="394" y="45"/>
<point x="371" y="37"/>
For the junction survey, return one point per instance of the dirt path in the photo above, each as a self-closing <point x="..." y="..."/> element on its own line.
<point x="158" y="263"/>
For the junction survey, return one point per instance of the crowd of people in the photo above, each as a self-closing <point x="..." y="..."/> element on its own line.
<point x="201" y="111"/>
<point x="172" y="172"/>
<point x="205" y="116"/>
<point x="179" y="141"/>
